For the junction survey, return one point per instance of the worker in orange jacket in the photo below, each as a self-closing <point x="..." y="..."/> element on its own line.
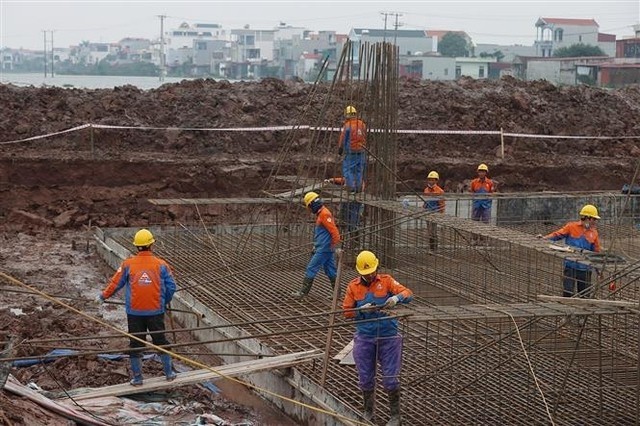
<point x="352" y="143"/>
<point x="148" y="288"/>
<point x="326" y="238"/>
<point x="581" y="235"/>
<point x="481" y="207"/>
<point x="377" y="339"/>
<point x="434" y="203"/>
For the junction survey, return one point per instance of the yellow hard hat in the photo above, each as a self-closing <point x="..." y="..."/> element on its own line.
<point x="143" y="238"/>
<point x="350" y="110"/>
<point x="366" y="263"/>
<point x="433" y="175"/>
<point x="309" y="197"/>
<point x="483" y="167"/>
<point x="589" y="210"/>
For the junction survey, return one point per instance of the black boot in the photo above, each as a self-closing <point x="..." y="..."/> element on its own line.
<point x="332" y="281"/>
<point x="394" y="408"/>
<point x="306" y="288"/>
<point x="369" y="405"/>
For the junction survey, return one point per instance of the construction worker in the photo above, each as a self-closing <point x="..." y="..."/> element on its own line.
<point x="581" y="235"/>
<point x="481" y="210"/>
<point x="434" y="204"/>
<point x="352" y="143"/>
<point x="377" y="339"/>
<point x="326" y="238"/>
<point x="432" y="190"/>
<point x="149" y="287"/>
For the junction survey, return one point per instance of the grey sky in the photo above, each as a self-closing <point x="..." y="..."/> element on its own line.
<point x="505" y="22"/>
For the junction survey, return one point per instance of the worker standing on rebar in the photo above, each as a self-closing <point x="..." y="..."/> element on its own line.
<point x="377" y="339"/>
<point x="433" y="203"/>
<point x="352" y="143"/>
<point x="481" y="207"/>
<point x="326" y="238"/>
<point x="581" y="235"/>
<point x="149" y="287"/>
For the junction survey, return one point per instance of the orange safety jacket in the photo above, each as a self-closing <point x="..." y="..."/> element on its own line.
<point x="356" y="131"/>
<point x="148" y="284"/>
<point x="434" y="204"/>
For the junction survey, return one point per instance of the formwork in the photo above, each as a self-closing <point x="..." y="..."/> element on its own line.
<point x="479" y="348"/>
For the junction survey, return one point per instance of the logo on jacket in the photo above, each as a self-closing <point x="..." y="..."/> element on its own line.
<point x="144" y="279"/>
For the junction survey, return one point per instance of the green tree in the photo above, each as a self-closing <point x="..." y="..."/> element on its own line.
<point x="452" y="45"/>
<point x="578" y="49"/>
<point x="496" y="54"/>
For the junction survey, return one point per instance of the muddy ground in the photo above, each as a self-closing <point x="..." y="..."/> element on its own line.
<point x="54" y="191"/>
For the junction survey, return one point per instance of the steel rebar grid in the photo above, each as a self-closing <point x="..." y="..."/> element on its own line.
<point x="466" y="387"/>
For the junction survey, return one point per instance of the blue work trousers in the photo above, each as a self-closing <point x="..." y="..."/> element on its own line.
<point x="322" y="259"/>
<point x="353" y="170"/>
<point x="369" y="351"/>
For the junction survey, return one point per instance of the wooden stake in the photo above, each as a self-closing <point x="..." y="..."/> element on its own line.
<point x="332" y="316"/>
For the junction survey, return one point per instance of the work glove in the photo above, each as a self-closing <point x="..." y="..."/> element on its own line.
<point x="99" y="300"/>
<point x="340" y="150"/>
<point x="540" y="236"/>
<point x="391" y="302"/>
<point x="338" y="251"/>
<point x="327" y="181"/>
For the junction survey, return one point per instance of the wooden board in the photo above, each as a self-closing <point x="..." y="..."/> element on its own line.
<point x="197" y="376"/>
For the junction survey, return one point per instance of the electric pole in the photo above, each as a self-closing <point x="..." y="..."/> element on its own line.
<point x="162" y="59"/>
<point x="396" y="25"/>
<point x="395" y="31"/>
<point x="44" y="32"/>
<point x="52" y="54"/>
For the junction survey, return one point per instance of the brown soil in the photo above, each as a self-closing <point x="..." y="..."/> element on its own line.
<point x="52" y="191"/>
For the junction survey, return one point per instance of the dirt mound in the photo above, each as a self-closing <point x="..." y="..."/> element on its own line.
<point x="104" y="176"/>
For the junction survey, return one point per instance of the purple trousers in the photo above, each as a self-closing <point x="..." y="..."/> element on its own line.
<point x="369" y="351"/>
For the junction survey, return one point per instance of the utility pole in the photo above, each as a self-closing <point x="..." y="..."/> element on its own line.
<point x="396" y="25"/>
<point x="44" y="32"/>
<point x="52" y="54"/>
<point x="384" y="34"/>
<point x="395" y="31"/>
<point x="162" y="59"/>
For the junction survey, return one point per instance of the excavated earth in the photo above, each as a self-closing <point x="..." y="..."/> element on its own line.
<point x="53" y="191"/>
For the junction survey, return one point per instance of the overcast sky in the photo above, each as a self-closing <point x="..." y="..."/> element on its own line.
<point x="503" y="22"/>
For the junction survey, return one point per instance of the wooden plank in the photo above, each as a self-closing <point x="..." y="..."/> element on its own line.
<point x="345" y="356"/>
<point x="12" y="385"/>
<point x="197" y="376"/>
<point x="633" y="306"/>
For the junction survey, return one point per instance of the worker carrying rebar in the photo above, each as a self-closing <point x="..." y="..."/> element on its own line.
<point x="581" y="235"/>
<point x="148" y="288"/>
<point x="481" y="207"/>
<point x="433" y="203"/>
<point x="377" y="340"/>
<point x="326" y="238"/>
<point x="352" y="143"/>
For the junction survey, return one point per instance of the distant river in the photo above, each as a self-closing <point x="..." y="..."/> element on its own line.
<point x="84" y="81"/>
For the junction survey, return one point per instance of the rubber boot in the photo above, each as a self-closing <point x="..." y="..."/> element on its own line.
<point x="136" y="369"/>
<point x="369" y="405"/>
<point x="394" y="408"/>
<point x="167" y="367"/>
<point x="306" y="288"/>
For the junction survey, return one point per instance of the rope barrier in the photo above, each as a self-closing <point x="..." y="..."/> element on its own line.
<point x="317" y="128"/>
